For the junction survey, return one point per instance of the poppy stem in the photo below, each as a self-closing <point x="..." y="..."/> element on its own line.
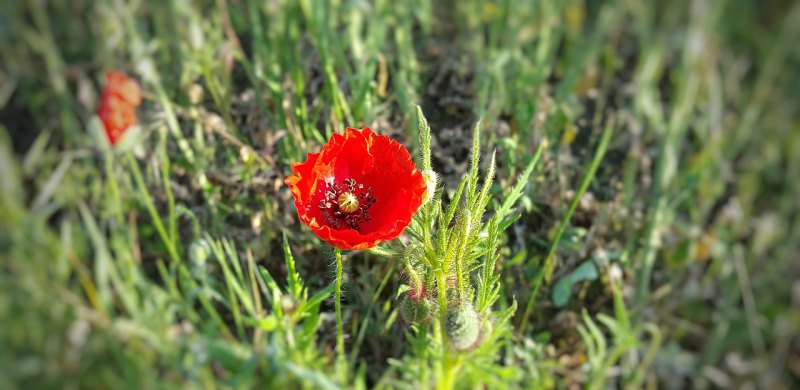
<point x="112" y="186"/>
<point x="448" y="365"/>
<point x="341" y="362"/>
<point x="151" y="208"/>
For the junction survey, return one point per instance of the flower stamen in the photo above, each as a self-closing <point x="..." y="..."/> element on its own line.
<point x="346" y="206"/>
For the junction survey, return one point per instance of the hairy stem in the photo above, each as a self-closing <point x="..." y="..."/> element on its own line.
<point x="341" y="362"/>
<point x="442" y="298"/>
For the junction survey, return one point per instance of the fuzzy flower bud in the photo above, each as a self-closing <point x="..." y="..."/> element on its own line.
<point x="199" y="252"/>
<point x="463" y="327"/>
<point x="415" y="307"/>
<point x="431" y="180"/>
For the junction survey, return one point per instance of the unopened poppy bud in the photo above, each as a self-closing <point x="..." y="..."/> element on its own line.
<point x="247" y="155"/>
<point x="431" y="181"/>
<point x="486" y="330"/>
<point x="463" y="327"/>
<point x="288" y="304"/>
<point x="199" y="251"/>
<point x="415" y="307"/>
<point x="195" y="93"/>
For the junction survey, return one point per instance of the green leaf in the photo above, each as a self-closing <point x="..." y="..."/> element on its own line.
<point x="319" y="297"/>
<point x="472" y="176"/>
<point x="563" y="289"/>
<point x="385" y="251"/>
<point x="424" y="139"/>
<point x="400" y="290"/>
<point x="516" y="192"/>
<point x="295" y="285"/>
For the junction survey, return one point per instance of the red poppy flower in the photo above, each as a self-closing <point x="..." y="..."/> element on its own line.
<point x="361" y="189"/>
<point x="118" y="103"/>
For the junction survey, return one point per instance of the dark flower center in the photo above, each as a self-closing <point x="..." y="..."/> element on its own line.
<point x="346" y="205"/>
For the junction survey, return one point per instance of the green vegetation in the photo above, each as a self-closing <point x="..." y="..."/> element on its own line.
<point x="628" y="216"/>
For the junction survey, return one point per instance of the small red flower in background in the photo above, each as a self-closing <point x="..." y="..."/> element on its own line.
<point x="117" y="110"/>
<point x="361" y="189"/>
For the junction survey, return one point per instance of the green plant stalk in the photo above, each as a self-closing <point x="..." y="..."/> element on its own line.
<point x="448" y="365"/>
<point x="424" y="131"/>
<point x="488" y="285"/>
<point x="172" y="218"/>
<point x="665" y="175"/>
<point x="655" y="336"/>
<point x="112" y="187"/>
<point x="549" y="264"/>
<point x="340" y="358"/>
<point x="151" y="208"/>
<point x="362" y="330"/>
<point x="443" y="368"/>
<point x="44" y="43"/>
<point x="451" y="366"/>
<point x="414" y="276"/>
<point x="461" y="244"/>
<point x="191" y="284"/>
<point x="138" y="50"/>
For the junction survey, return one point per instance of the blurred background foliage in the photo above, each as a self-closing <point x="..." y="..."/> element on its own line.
<point x="163" y="262"/>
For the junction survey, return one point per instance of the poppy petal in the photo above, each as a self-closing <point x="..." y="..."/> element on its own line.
<point x="118" y="103"/>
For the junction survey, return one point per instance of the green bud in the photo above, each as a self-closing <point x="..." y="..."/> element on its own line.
<point x="199" y="252"/>
<point x="431" y="180"/>
<point x="416" y="308"/>
<point x="288" y="304"/>
<point x="463" y="327"/>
